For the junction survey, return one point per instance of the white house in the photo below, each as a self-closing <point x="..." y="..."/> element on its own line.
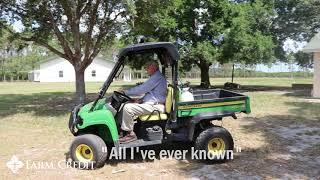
<point x="60" y="70"/>
<point x="314" y="47"/>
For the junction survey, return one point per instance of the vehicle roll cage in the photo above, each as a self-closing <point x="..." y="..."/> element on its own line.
<point x="168" y="55"/>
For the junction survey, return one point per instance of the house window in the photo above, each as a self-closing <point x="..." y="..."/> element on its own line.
<point x="93" y="73"/>
<point x="60" y="74"/>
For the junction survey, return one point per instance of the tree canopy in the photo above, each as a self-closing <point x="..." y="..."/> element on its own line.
<point x="79" y="27"/>
<point x="209" y="31"/>
<point x="297" y="20"/>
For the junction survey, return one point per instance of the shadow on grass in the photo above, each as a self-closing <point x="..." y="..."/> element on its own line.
<point x="41" y="104"/>
<point x="288" y="164"/>
<point x="265" y="88"/>
<point x="305" y="110"/>
<point x="306" y="94"/>
<point x="44" y="103"/>
<point x="306" y="106"/>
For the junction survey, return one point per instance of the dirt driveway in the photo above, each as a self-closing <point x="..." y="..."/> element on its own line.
<point x="280" y="139"/>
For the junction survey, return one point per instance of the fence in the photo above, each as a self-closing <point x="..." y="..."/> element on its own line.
<point x="194" y="73"/>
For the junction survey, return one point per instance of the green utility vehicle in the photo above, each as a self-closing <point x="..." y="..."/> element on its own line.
<point x="95" y="125"/>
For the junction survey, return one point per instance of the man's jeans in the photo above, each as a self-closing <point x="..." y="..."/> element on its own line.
<point x="132" y="110"/>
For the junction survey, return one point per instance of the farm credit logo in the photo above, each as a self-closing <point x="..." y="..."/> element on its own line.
<point x="14" y="164"/>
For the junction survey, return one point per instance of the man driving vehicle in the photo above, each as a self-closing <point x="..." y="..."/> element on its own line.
<point x="154" y="90"/>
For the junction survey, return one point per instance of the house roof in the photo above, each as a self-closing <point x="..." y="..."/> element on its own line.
<point x="313" y="45"/>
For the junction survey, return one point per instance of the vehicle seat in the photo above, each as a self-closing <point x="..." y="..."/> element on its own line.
<point x="162" y="116"/>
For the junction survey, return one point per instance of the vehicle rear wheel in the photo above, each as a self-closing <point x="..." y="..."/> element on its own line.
<point x="215" y="141"/>
<point x="88" y="151"/>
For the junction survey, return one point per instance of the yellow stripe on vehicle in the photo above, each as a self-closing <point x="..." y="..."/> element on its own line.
<point x="209" y="105"/>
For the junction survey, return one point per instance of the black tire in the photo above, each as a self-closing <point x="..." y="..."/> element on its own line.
<point x="213" y="135"/>
<point x="94" y="148"/>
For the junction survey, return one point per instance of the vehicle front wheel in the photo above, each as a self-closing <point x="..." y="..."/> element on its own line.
<point x="88" y="151"/>
<point x="215" y="141"/>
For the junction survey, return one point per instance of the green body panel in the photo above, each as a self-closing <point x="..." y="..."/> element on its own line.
<point x="234" y="106"/>
<point x="195" y="111"/>
<point x="99" y="116"/>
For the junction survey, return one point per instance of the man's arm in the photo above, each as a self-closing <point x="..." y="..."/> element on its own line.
<point x="145" y="87"/>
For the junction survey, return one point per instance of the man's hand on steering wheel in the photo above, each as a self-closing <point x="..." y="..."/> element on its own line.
<point x="122" y="95"/>
<point x="137" y="100"/>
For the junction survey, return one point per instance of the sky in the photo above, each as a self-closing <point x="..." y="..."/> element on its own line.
<point x="278" y="67"/>
<point x="289" y="46"/>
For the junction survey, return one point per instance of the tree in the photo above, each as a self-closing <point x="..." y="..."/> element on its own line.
<point x="297" y="20"/>
<point x="8" y="48"/>
<point x="3" y="51"/>
<point x="34" y="56"/>
<point x="80" y="28"/>
<point x="155" y="19"/>
<point x="18" y="59"/>
<point x="209" y="31"/>
<point x="304" y="60"/>
<point x="248" y="40"/>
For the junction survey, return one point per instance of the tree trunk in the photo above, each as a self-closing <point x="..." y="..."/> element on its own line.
<point x="80" y="86"/>
<point x="205" y="80"/>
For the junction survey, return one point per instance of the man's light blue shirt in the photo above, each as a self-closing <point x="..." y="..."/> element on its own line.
<point x="155" y="89"/>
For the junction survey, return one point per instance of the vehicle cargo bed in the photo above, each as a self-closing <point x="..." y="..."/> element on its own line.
<point x="214" y="100"/>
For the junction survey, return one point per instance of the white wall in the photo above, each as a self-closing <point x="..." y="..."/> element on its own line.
<point x="49" y="71"/>
<point x="316" y="76"/>
<point x="103" y="69"/>
<point x="36" y="76"/>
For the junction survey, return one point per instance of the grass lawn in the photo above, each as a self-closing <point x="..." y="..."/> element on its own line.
<point x="93" y="87"/>
<point x="34" y="116"/>
<point x="278" y="82"/>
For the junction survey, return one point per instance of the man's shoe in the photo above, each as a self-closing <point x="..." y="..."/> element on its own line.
<point x="129" y="137"/>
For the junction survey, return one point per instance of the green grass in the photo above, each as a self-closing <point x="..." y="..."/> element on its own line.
<point x="93" y="87"/>
<point x="36" y="87"/>
<point x="284" y="106"/>
<point x="278" y="82"/>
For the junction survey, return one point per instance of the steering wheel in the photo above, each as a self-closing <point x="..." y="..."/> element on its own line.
<point x="122" y="97"/>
